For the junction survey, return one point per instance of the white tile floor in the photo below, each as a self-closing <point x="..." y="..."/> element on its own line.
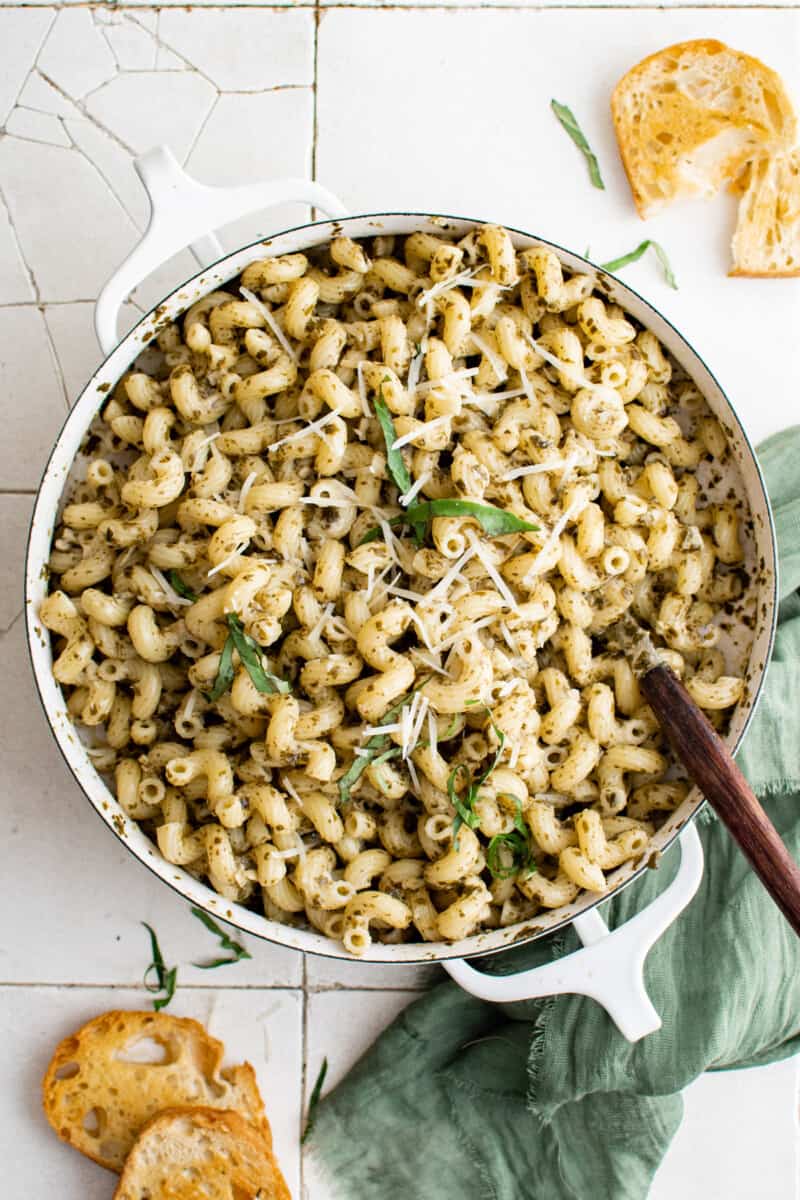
<point x="384" y="105"/>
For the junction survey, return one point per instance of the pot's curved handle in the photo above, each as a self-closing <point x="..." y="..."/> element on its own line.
<point x="610" y="966"/>
<point x="183" y="213"/>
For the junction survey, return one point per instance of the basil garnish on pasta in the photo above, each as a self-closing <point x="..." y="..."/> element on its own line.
<point x="227" y="943"/>
<point x="372" y="751"/>
<point x="495" y="522"/>
<point x="225" y="671"/>
<point x="394" y="459"/>
<point x="313" y="1101"/>
<point x="510" y="853"/>
<point x="165" y="980"/>
<point x="464" y="805"/>
<point x="250" y="654"/>
<point x="617" y="263"/>
<point x="570" y="124"/>
<point x="180" y="587"/>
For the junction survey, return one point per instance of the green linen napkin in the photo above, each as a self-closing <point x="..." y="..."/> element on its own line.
<point x="546" y="1099"/>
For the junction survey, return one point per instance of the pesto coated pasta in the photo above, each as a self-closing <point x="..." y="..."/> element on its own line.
<point x="334" y="596"/>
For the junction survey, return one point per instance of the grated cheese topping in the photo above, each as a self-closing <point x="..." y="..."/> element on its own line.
<point x="273" y="325"/>
<point x="170" y="595"/>
<point x="422" y="428"/>
<point x="246" y="486"/>
<point x="497" y="363"/>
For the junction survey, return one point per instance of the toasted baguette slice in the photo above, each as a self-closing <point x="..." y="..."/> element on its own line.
<point x="767" y="237"/>
<point x="188" y="1153"/>
<point x="107" y="1080"/>
<point x="690" y="117"/>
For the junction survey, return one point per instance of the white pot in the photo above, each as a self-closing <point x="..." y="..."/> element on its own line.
<point x="185" y="212"/>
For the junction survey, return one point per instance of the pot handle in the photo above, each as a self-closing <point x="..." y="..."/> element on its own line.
<point x="184" y="212"/>
<point x="610" y="966"/>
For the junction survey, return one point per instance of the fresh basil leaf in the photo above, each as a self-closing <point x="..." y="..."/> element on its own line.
<point x="237" y="949"/>
<point x="465" y="813"/>
<point x="635" y="255"/>
<point x="165" y="979"/>
<point x="225" y="671"/>
<point x="394" y="459"/>
<point x="570" y="125"/>
<point x="377" y="743"/>
<point x="517" y="843"/>
<point x="250" y="653"/>
<point x="180" y="587"/>
<point x="313" y="1101"/>
<point x="494" y="521"/>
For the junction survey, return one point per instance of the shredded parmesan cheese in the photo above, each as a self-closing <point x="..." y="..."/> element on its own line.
<point x="414" y="371"/>
<point x="320" y="625"/>
<point x="170" y="595"/>
<point x="199" y="460"/>
<point x="248" y="483"/>
<point x="568" y="368"/>
<point x="362" y="388"/>
<point x="466" y="631"/>
<point x="312" y="427"/>
<point x="443" y="586"/>
<point x="271" y="322"/>
<point x="412" y="770"/>
<point x="495" y="575"/>
<point x="446" y="285"/>
<point x="240" y="549"/>
<point x="555" y="533"/>
<point x="422" y="428"/>
<point x="415" y="489"/>
<point x="445" y="380"/>
<point x="497" y="363"/>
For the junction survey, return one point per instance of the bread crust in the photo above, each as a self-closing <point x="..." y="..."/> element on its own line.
<point x="699" y="49"/>
<point x="162" y="1154"/>
<point x="86" y="1076"/>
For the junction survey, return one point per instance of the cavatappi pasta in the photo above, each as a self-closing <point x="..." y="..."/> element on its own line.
<point x="334" y="596"/>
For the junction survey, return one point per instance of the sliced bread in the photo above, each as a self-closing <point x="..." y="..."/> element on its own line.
<point x="188" y="1153"/>
<point x="108" y="1079"/>
<point x="767" y="237"/>
<point x="689" y="118"/>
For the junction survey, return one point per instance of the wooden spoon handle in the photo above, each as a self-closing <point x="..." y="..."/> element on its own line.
<point x="711" y="766"/>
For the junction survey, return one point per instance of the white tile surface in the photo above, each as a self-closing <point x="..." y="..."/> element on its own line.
<point x="235" y="55"/>
<point x="738" y="1138"/>
<point x="21" y="34"/>
<point x="406" y="96"/>
<point x="27" y="373"/>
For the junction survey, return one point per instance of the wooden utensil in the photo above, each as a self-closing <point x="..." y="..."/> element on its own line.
<point x="711" y="766"/>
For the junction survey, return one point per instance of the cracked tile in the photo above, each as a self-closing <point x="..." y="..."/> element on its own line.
<point x="248" y="52"/>
<point x="37" y="127"/>
<point x="42" y="96"/>
<point x="114" y="164"/>
<point x="32" y="394"/>
<point x="76" y="56"/>
<point x="74" y="244"/>
<point x="150" y="107"/>
<point x="76" y="347"/>
<point x="15" y="282"/>
<point x="21" y="34"/>
<point x="265" y="137"/>
<point x="15" y="515"/>
<point x="133" y="47"/>
<point x="167" y="60"/>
